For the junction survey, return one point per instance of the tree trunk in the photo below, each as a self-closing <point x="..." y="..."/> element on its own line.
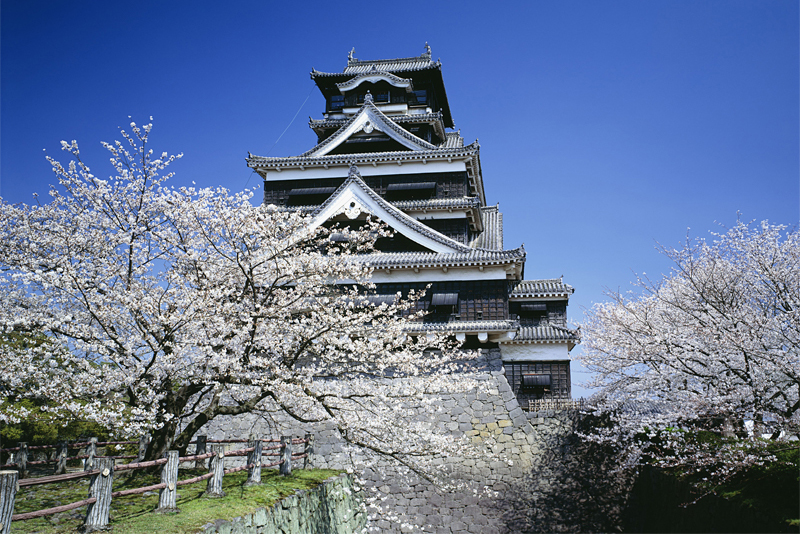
<point x="161" y="441"/>
<point x="199" y="449"/>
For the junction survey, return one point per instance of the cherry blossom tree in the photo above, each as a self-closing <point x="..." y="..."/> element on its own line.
<point x="162" y="308"/>
<point x="714" y="346"/>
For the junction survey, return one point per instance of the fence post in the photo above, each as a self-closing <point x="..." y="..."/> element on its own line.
<point x="100" y="489"/>
<point x="309" y="451"/>
<point x="286" y="455"/>
<point x="254" y="461"/>
<point x="21" y="459"/>
<point x="199" y="449"/>
<point x="8" y="494"/>
<point x="91" y="451"/>
<point x="169" y="476"/>
<point x="216" y="466"/>
<point x="144" y="440"/>
<point x="61" y="458"/>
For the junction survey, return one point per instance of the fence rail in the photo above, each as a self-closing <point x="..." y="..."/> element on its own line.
<point x="538" y="405"/>
<point x="103" y="468"/>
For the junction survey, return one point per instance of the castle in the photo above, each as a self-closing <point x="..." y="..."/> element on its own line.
<point x="386" y="149"/>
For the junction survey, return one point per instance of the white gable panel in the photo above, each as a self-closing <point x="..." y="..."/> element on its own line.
<point x="353" y="200"/>
<point x="368" y="119"/>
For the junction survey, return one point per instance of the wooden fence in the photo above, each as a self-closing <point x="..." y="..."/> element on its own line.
<point x="101" y="469"/>
<point x="538" y="405"/>
<point x="22" y="453"/>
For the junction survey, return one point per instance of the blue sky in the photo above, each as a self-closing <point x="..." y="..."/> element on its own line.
<point x="605" y="127"/>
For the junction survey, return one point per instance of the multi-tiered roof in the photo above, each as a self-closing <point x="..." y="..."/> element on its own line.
<point x="385" y="149"/>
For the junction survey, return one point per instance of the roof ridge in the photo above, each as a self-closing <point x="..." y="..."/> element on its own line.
<point x="351" y="60"/>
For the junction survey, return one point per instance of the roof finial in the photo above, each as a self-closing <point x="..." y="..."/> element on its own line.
<point x="427" y="49"/>
<point x="350" y="57"/>
<point x="368" y="97"/>
<point x="353" y="171"/>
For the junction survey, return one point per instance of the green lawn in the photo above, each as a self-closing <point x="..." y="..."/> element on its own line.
<point x="133" y="514"/>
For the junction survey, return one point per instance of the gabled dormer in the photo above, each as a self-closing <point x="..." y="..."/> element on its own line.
<point x="354" y="201"/>
<point x="369" y="130"/>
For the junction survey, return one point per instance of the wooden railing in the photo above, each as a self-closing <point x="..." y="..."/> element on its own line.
<point x="102" y="470"/>
<point x="538" y="405"/>
<point x="22" y="452"/>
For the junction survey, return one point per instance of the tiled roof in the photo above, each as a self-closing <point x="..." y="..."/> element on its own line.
<point x="465" y="326"/>
<point x="436" y="204"/>
<point x="471" y="153"/>
<point x="365" y="157"/>
<point x="392" y="65"/>
<point x="387" y="260"/>
<point x="405" y="64"/>
<point x="546" y="334"/>
<point x="492" y="235"/>
<point x="454" y="139"/>
<point x="554" y="287"/>
<point x="433" y="204"/>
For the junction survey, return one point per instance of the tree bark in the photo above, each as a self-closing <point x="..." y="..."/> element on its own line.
<point x="200" y="448"/>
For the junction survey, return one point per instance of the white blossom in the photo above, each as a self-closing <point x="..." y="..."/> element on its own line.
<point x="158" y="305"/>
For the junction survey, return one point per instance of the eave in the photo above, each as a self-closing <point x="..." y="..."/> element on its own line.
<point x="469" y="154"/>
<point x="547" y="334"/>
<point x="546" y="289"/>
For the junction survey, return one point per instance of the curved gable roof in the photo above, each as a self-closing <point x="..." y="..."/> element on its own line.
<point x="354" y="197"/>
<point x="369" y="118"/>
<point x="374" y="76"/>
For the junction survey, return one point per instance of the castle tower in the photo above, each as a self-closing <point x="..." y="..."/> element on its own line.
<point x="386" y="149"/>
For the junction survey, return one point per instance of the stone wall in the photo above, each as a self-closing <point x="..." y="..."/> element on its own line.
<point x="493" y="486"/>
<point x="333" y="507"/>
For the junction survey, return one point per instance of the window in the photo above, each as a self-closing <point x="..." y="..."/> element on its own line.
<point x="533" y="381"/>
<point x="337" y="102"/>
<point x="422" y="96"/>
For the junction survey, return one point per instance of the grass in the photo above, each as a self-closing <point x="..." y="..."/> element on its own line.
<point x="133" y="514"/>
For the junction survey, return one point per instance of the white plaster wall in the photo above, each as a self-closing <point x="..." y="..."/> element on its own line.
<point x="534" y="351"/>
<point x="367" y="169"/>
